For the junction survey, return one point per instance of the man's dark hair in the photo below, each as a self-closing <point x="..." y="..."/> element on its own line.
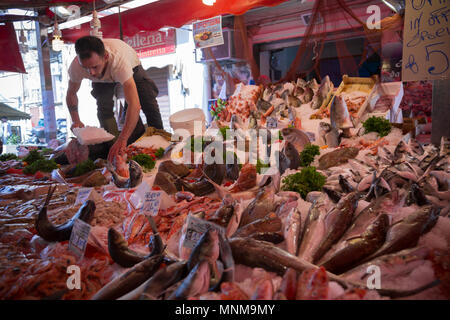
<point x="88" y="44"/>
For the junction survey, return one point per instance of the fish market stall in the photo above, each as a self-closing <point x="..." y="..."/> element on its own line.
<point x="340" y="197"/>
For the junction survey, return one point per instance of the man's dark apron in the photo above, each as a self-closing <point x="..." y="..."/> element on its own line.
<point x="103" y="92"/>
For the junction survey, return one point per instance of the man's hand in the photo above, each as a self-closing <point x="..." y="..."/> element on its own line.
<point x="117" y="149"/>
<point x="77" y="124"/>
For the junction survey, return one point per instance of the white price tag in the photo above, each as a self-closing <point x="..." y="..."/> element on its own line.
<point x="138" y="196"/>
<point x="152" y="201"/>
<point x="272" y="123"/>
<point x="79" y="237"/>
<point x="196" y="228"/>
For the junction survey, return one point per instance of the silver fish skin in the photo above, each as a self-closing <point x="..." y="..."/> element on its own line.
<point x="292" y="231"/>
<point x="296" y="137"/>
<point x="339" y="115"/>
<point x="196" y="283"/>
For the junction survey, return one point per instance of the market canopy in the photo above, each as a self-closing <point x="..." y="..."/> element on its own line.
<point x="167" y="13"/>
<point x="11" y="113"/>
<point x="10" y="59"/>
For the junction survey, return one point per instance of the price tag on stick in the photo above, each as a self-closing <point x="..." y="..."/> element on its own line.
<point x="196" y="228"/>
<point x="79" y="237"/>
<point x="152" y="202"/>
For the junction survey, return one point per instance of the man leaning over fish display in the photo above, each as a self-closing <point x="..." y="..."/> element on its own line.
<point x="108" y="62"/>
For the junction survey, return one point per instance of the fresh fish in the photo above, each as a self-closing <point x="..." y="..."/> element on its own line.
<point x="166" y="182"/>
<point x="135" y="176"/>
<point x="232" y="168"/>
<point x="215" y="172"/>
<point x="272" y="237"/>
<point x="260" y="254"/>
<point x="333" y="194"/>
<point x="353" y="250"/>
<point x="293" y="101"/>
<point x="292" y="231"/>
<point x="314" y="230"/>
<point x="339" y="116"/>
<point x="416" y="147"/>
<point x="336" y="222"/>
<point x="262" y="205"/>
<point x="163" y="279"/>
<point x="313" y="84"/>
<point x="246" y="180"/>
<point x="226" y="256"/>
<point x="308" y="96"/>
<point x="301" y="82"/>
<point x="406" y="233"/>
<point x="120" y="165"/>
<point x="345" y="185"/>
<point x="121" y="254"/>
<point x="400" y="151"/>
<point x="174" y="169"/>
<point x="129" y="280"/>
<point x="289" y="158"/>
<point x="270" y="223"/>
<point x="206" y="249"/>
<point x="445" y="147"/>
<point x="317" y="101"/>
<point x="267" y="94"/>
<point x="49" y="232"/>
<point x="197" y="282"/>
<point x="417" y="196"/>
<point x="236" y="122"/>
<point x="296" y="137"/>
<point x="337" y="157"/>
<point x="224" y="214"/>
<point x="200" y="188"/>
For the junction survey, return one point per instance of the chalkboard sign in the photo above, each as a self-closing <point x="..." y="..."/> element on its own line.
<point x="426" y="40"/>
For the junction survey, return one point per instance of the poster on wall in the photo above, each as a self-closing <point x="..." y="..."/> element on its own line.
<point x="426" y="40"/>
<point x="208" y="33"/>
<point x="234" y="73"/>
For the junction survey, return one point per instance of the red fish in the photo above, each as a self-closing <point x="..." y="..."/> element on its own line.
<point x="288" y="286"/>
<point x="246" y="180"/>
<point x="263" y="291"/>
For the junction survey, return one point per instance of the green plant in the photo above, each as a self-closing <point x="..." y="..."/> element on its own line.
<point x="33" y="156"/>
<point x="379" y="125"/>
<point x="145" y="161"/>
<point x="83" y="167"/>
<point x="308" y="154"/>
<point x="304" y="181"/>
<point x="159" y="153"/>
<point x="40" y="165"/>
<point x="260" y="165"/>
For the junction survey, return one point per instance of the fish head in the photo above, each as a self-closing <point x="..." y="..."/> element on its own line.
<point x="136" y="174"/>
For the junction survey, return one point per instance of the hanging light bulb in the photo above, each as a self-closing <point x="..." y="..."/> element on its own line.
<point x="96" y="25"/>
<point x="209" y="2"/>
<point x="57" y="43"/>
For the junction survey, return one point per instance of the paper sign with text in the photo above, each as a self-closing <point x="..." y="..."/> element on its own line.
<point x="152" y="201"/>
<point x="208" y="33"/>
<point x="79" y="237"/>
<point x="426" y="40"/>
<point x="196" y="228"/>
<point x="272" y="123"/>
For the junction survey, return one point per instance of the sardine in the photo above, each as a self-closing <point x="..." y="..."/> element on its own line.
<point x="49" y="232"/>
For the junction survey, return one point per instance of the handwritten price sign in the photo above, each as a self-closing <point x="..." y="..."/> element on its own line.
<point x="426" y="40"/>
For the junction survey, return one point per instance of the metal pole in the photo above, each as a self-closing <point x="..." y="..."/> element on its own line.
<point x="48" y="102"/>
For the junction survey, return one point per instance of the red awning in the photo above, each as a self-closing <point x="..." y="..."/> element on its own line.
<point x="10" y="59"/>
<point x="166" y="13"/>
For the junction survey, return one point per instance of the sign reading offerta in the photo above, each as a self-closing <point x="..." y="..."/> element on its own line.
<point x="150" y="44"/>
<point x="426" y="40"/>
<point x="208" y="33"/>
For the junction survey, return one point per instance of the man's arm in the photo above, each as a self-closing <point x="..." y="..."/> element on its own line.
<point x="72" y="103"/>
<point x="131" y="118"/>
